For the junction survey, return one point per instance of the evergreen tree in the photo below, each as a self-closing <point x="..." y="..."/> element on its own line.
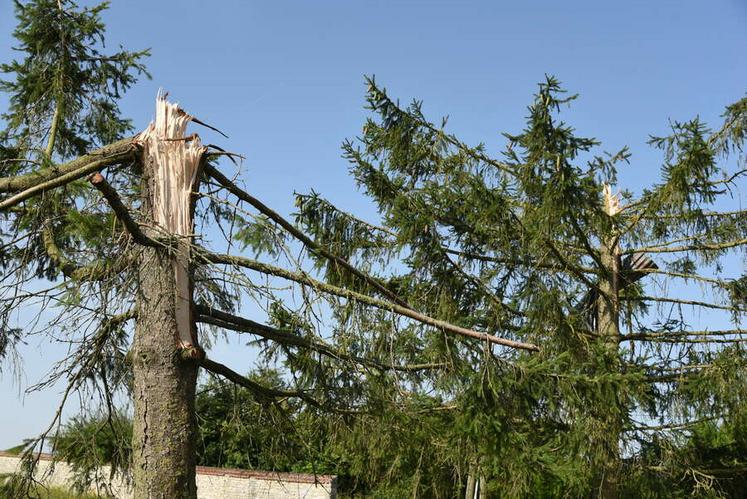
<point x="509" y="305"/>
<point x="535" y="247"/>
<point x="135" y="257"/>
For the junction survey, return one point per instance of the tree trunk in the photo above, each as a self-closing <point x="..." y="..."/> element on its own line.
<point x="165" y="345"/>
<point x="608" y="307"/>
<point x="164" y="390"/>
<point x="483" y="486"/>
<point x="470" y="492"/>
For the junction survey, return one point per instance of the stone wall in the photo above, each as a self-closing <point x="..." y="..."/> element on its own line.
<point x="212" y="483"/>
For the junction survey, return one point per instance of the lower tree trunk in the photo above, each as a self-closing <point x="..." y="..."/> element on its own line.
<point x="470" y="492"/>
<point x="164" y="390"/>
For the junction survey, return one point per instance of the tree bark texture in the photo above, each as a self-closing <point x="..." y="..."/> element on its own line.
<point x="164" y="390"/>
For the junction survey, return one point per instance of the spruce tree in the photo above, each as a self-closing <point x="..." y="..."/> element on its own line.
<point x="507" y="305"/>
<point x="126" y="247"/>
<point x="535" y="246"/>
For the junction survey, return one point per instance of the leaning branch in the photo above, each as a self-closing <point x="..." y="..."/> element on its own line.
<point x="208" y="315"/>
<point x="263" y="391"/>
<point x="312" y="245"/>
<point x="121" y="211"/>
<point x="40" y="181"/>
<point x="360" y="298"/>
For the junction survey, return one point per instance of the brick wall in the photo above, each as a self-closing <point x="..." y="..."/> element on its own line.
<point x="212" y="483"/>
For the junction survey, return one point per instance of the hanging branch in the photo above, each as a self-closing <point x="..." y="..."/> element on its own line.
<point x="306" y="240"/>
<point x="121" y="211"/>
<point x="655" y="336"/>
<point x="95" y="271"/>
<point x="690" y="247"/>
<point x="208" y="315"/>
<point x="265" y="392"/>
<point x="348" y="294"/>
<point x="679" y="301"/>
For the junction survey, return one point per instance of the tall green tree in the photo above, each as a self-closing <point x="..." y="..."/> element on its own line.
<point x="535" y="246"/>
<point x="134" y="256"/>
<point x="517" y="293"/>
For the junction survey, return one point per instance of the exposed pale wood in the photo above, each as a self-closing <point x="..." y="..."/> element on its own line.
<point x="176" y="160"/>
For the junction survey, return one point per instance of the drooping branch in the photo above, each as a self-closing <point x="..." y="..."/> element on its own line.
<point x="121" y="211"/>
<point x="381" y="101"/>
<point x="680" y="301"/>
<point x="348" y="294"/>
<point x="95" y="271"/>
<point x="679" y="335"/>
<point x="708" y="246"/>
<point x="312" y="245"/>
<point x="225" y="320"/>
<point x="263" y="391"/>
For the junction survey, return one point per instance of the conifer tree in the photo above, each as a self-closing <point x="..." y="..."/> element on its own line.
<point x="536" y="247"/>
<point x="125" y="245"/>
<point x="516" y="297"/>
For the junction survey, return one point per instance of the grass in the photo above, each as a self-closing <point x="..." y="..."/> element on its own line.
<point x="45" y="493"/>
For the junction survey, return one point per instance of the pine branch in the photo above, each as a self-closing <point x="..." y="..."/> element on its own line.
<point x="302" y="278"/>
<point x="679" y="301"/>
<point x="263" y="391"/>
<point x="664" y="336"/>
<point x="47" y="178"/>
<point x="121" y="211"/>
<point x="689" y="247"/>
<point x="295" y="232"/>
<point x="209" y="315"/>
<point x="383" y="100"/>
<point x="97" y="271"/>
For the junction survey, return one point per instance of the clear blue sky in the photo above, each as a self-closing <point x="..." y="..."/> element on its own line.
<point x="285" y="80"/>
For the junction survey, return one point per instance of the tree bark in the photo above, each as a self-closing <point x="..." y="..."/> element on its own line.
<point x="470" y="492"/>
<point x="164" y="390"/>
<point x="608" y="306"/>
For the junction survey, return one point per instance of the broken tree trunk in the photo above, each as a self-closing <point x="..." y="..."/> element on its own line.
<point x="165" y="371"/>
<point x="608" y="327"/>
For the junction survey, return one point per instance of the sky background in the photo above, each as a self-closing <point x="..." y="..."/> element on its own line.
<point x="284" y="80"/>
